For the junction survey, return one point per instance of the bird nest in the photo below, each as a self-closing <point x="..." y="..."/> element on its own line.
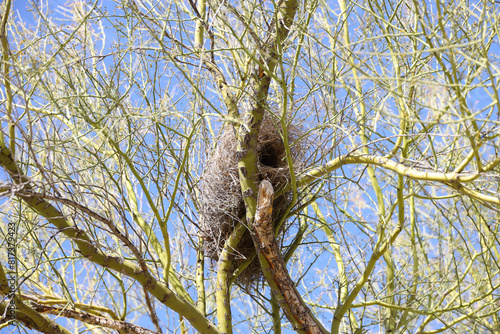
<point x="221" y="201"/>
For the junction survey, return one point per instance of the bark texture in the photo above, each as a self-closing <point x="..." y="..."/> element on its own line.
<point x="274" y="267"/>
<point x="92" y="319"/>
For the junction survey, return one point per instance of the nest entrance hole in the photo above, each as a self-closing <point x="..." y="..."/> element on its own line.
<point x="270" y="155"/>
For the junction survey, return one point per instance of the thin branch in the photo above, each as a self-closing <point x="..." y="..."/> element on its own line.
<point x="274" y="267"/>
<point x="452" y="179"/>
<point x="92" y="319"/>
<point x="95" y="255"/>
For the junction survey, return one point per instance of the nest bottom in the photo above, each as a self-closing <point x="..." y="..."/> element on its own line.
<point x="245" y="250"/>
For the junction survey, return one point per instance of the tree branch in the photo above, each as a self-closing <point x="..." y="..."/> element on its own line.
<point x="453" y="180"/>
<point x="92" y="253"/>
<point x="24" y="313"/>
<point x="92" y="319"/>
<point x="274" y="267"/>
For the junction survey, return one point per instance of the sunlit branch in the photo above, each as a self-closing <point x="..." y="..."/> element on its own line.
<point x="223" y="287"/>
<point x="6" y="78"/>
<point x="92" y="319"/>
<point x="25" y="313"/>
<point x="274" y="267"/>
<point x="89" y="250"/>
<point x="452" y="179"/>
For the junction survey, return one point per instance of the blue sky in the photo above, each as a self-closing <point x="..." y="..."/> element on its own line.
<point x="478" y="99"/>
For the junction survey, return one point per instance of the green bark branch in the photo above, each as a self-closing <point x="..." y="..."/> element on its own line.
<point x="24" y="313"/>
<point x="415" y="266"/>
<point x="92" y="253"/>
<point x="379" y="251"/>
<point x="275" y="315"/>
<point x="343" y="281"/>
<point x="364" y="139"/>
<point x="155" y="243"/>
<point x="274" y="267"/>
<point x="247" y="132"/>
<point x="200" y="277"/>
<point x="222" y="294"/>
<point x="6" y="78"/>
<point x="452" y="179"/>
<point x="201" y="6"/>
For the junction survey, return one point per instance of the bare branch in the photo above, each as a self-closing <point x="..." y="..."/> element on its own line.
<point x="92" y="319"/>
<point x="275" y="269"/>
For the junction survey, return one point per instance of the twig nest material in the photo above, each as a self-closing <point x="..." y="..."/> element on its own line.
<point x="221" y="200"/>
